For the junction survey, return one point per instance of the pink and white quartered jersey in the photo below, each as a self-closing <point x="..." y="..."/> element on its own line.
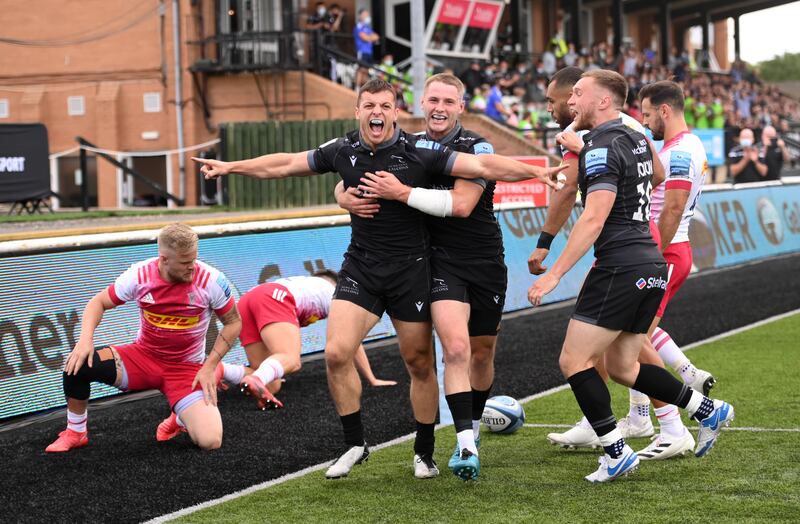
<point x="312" y="297"/>
<point x="174" y="317"/>
<point x="626" y="119"/>
<point x="685" y="166"/>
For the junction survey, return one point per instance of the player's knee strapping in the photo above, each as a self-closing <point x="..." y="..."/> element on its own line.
<point x="103" y="369"/>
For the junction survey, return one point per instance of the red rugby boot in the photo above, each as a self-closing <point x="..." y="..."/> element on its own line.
<point x="68" y="440"/>
<point x="252" y="385"/>
<point x="169" y="428"/>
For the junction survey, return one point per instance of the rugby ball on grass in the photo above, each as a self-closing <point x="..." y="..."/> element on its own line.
<point x="503" y="414"/>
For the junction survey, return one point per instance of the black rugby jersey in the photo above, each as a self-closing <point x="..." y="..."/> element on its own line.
<point x="617" y="158"/>
<point x="475" y="236"/>
<point x="396" y="231"/>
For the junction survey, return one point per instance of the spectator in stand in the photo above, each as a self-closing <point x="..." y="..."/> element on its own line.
<point x="473" y="77"/>
<point x="549" y="62"/>
<point x="571" y="58"/>
<point x="745" y="163"/>
<point x="494" y="103"/>
<point x="478" y="102"/>
<point x="774" y="152"/>
<point x="365" y="38"/>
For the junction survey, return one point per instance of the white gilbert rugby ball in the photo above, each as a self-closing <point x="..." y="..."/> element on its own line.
<point x="503" y="414"/>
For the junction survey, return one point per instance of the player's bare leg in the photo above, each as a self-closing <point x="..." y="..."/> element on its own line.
<point x="581" y="435"/>
<point x="416" y="348"/>
<point x="348" y="324"/>
<point x="451" y="318"/>
<point x="203" y="423"/>
<point x="106" y="363"/>
<point x="584" y="345"/>
<point x="276" y="355"/>
<point x="481" y="376"/>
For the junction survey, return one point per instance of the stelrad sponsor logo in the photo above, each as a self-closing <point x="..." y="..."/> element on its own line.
<point x="651" y="283"/>
<point x="170" y="321"/>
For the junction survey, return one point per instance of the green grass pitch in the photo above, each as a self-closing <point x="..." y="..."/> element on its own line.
<point x="750" y="476"/>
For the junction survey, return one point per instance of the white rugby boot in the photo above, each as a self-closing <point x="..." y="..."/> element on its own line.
<point x="577" y="436"/>
<point x="352" y="457"/>
<point x="666" y="446"/>
<point x="631" y="429"/>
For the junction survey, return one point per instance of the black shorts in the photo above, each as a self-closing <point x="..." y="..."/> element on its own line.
<point x="400" y="288"/>
<point x="479" y="282"/>
<point x="622" y="298"/>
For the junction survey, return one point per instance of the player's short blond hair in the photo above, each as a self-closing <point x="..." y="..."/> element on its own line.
<point x="177" y="237"/>
<point x="447" y="79"/>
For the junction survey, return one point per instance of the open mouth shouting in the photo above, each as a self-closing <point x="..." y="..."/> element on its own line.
<point x="376" y="126"/>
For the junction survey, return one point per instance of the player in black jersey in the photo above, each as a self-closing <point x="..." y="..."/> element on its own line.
<point x="469" y="275"/>
<point x="622" y="291"/>
<point x="386" y="265"/>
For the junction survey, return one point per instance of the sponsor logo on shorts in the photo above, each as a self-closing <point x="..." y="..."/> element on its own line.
<point x="419" y="305"/>
<point x="439" y="285"/>
<point x="651" y="283"/>
<point x="170" y="321"/>
<point x="496" y="299"/>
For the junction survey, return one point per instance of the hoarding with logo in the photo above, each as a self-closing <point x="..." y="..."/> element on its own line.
<point x="42" y="296"/>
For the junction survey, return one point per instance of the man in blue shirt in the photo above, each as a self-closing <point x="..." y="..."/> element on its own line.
<point x="364" y="38"/>
<point x="494" y="104"/>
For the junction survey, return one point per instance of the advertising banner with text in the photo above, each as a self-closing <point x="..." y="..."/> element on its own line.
<point x="42" y="296"/>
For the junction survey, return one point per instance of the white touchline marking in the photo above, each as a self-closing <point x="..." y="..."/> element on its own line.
<point x="748" y="429"/>
<point x="404" y="438"/>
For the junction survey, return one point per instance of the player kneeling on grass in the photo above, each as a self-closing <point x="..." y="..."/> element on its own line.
<point x="272" y="315"/>
<point x="176" y="294"/>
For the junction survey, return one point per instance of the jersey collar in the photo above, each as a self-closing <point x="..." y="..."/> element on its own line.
<point x="602" y="127"/>
<point x="449" y="137"/>
<point x="383" y="145"/>
<point x="674" y="140"/>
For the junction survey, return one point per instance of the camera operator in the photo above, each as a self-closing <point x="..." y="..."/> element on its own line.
<point x="774" y="152"/>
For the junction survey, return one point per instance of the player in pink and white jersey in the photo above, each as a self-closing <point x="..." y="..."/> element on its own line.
<point x="176" y="294"/>
<point x="272" y="315"/>
<point x="672" y="206"/>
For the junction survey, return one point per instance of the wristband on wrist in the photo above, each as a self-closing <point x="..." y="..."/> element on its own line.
<point x="545" y="239"/>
